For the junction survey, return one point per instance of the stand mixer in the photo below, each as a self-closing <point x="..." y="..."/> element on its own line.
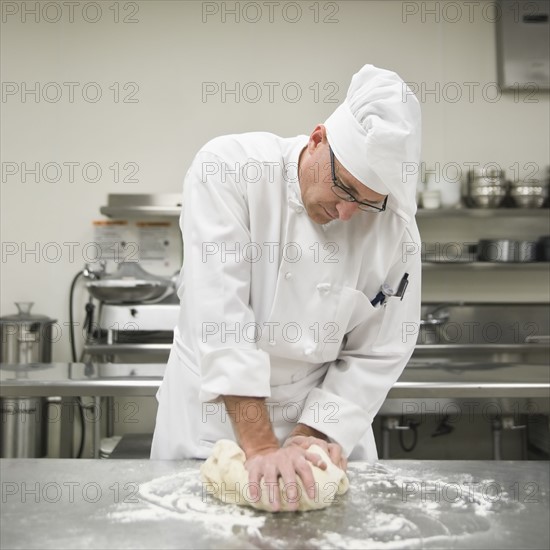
<point x="134" y="306"/>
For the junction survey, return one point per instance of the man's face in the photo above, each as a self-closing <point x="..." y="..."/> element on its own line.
<point x="321" y="204"/>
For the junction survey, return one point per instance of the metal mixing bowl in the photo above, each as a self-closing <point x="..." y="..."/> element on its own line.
<point x="487" y="196"/>
<point x="529" y="195"/>
<point x="130" y="283"/>
<point x="122" y="292"/>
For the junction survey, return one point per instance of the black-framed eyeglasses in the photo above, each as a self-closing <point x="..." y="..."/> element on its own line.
<point x="344" y="194"/>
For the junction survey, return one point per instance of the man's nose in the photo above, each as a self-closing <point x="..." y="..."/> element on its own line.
<point x="346" y="209"/>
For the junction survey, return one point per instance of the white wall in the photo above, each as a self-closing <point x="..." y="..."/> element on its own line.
<point x="170" y="53"/>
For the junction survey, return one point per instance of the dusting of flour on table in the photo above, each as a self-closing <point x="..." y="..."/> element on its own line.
<point x="416" y="512"/>
<point x="180" y="496"/>
<point x="385" y="509"/>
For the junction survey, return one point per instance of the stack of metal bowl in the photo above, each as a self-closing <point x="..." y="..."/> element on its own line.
<point x="529" y="194"/>
<point x="487" y="188"/>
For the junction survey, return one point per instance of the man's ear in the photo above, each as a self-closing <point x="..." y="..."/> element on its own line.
<point x="317" y="137"/>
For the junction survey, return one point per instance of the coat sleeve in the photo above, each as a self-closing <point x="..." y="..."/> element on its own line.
<point x="215" y="282"/>
<point x="371" y="360"/>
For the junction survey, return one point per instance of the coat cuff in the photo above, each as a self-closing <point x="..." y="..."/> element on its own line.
<point x="235" y="371"/>
<point x="339" y="419"/>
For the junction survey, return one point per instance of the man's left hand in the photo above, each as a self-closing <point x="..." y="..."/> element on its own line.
<point x="333" y="450"/>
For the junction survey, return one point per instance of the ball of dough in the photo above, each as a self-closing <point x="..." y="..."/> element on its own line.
<point x="225" y="477"/>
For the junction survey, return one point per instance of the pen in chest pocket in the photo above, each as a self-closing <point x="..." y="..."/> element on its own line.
<point x="386" y="291"/>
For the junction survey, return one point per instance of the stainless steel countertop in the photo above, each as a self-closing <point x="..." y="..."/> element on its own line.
<point x="392" y="504"/>
<point x="421" y="378"/>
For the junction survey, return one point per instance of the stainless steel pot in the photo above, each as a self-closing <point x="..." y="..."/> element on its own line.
<point x="432" y="325"/>
<point x="527" y="251"/>
<point x="498" y="250"/>
<point x="543" y="246"/>
<point x="25" y="338"/>
<point x="24" y="431"/>
<point x="506" y="250"/>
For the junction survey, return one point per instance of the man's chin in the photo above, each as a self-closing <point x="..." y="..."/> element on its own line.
<point x="320" y="216"/>
<point x="321" y="219"/>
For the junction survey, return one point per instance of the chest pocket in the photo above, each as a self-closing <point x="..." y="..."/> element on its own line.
<point x="354" y="308"/>
<point x="395" y="332"/>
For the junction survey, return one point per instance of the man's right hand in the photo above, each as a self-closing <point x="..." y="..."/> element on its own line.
<point x="287" y="463"/>
<point x="250" y="420"/>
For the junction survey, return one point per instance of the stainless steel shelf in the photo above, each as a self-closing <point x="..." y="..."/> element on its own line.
<point x="103" y="349"/>
<point x="140" y="211"/>
<point x="135" y="211"/>
<point x="535" y="266"/>
<point x="83" y="379"/>
<point x="115" y="349"/>
<point x="478" y="348"/>
<point x="481" y="212"/>
<point x="453" y="379"/>
<point x="142" y="205"/>
<point x="175" y="211"/>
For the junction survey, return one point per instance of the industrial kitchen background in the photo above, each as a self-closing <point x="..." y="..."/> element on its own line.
<point x="103" y="107"/>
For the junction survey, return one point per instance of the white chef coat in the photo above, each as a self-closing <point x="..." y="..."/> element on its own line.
<point x="274" y="305"/>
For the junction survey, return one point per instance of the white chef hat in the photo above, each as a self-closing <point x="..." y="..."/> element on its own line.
<point x="376" y="132"/>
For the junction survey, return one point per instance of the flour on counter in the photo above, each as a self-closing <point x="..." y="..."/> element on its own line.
<point x="129" y="513"/>
<point x="416" y="513"/>
<point x="385" y="509"/>
<point x="180" y="496"/>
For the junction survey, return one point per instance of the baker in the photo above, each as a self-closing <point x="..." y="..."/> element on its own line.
<point x="300" y="289"/>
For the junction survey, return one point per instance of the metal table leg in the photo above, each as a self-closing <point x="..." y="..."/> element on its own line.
<point x="96" y="440"/>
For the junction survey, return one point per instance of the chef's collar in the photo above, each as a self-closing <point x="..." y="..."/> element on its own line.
<point x="290" y="169"/>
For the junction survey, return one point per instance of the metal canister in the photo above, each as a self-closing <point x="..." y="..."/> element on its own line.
<point x="24" y="339"/>
<point x="24" y="431"/>
<point x="497" y="250"/>
<point x="527" y="251"/>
